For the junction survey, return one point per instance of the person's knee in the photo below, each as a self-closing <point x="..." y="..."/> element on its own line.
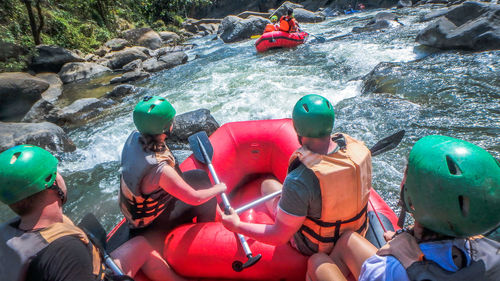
<point x="316" y="260"/>
<point x="270" y="185"/>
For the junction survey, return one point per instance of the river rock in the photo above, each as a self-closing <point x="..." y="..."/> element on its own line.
<point x="120" y="92"/>
<point x="174" y="59"/>
<point x="102" y="51"/>
<point x="119" y="59"/>
<point x="233" y="28"/>
<point x="133" y="65"/>
<point x="190" y="26"/>
<point x="381" y="20"/>
<point x="46" y="135"/>
<point x="52" y="58"/>
<point x="41" y="111"/>
<point x="210" y="28"/>
<point x="282" y="10"/>
<point x="18" y="92"/>
<point x="75" y="71"/>
<point x="192" y="122"/>
<point x="145" y="37"/>
<point x="80" y="111"/>
<point x="153" y="65"/>
<point x="130" y="76"/>
<point x="55" y="86"/>
<point x="471" y="25"/>
<point x="434" y="14"/>
<point x="305" y="16"/>
<point x="404" y="3"/>
<point x="169" y="36"/>
<point x="117" y="44"/>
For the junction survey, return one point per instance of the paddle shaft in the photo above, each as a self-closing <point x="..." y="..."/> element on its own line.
<point x="225" y="201"/>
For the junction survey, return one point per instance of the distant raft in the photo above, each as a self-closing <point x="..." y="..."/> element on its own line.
<point x="280" y="39"/>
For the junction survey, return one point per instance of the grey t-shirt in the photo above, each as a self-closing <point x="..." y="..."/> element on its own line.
<point x="302" y="197"/>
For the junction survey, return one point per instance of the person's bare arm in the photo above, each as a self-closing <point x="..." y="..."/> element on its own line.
<point x="175" y="185"/>
<point x="278" y="233"/>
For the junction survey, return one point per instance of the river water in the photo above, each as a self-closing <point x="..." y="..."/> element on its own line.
<point x="454" y="93"/>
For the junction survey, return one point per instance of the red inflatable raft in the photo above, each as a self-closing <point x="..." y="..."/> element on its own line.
<point x="280" y="39"/>
<point x="244" y="154"/>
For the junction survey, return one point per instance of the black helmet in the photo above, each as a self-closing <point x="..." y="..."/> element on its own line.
<point x="289" y="11"/>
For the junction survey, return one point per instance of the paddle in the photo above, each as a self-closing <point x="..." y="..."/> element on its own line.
<point x="319" y="38"/>
<point x="381" y="146"/>
<point x="97" y="235"/>
<point x="203" y="152"/>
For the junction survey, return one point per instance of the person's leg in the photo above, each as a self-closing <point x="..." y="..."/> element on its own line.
<point x="320" y="267"/>
<point x="269" y="186"/>
<point x="350" y="252"/>
<point x="137" y="254"/>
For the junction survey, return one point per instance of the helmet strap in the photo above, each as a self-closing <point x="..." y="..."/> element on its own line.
<point x="60" y="193"/>
<point x="402" y="203"/>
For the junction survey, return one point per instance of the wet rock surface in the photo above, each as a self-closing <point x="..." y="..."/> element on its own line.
<point x="233" y="28"/>
<point x="75" y="71"/>
<point x="52" y="58"/>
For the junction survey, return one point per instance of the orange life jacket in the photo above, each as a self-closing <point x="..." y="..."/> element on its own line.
<point x="345" y="181"/>
<point x="270" y="28"/>
<point x="288" y="24"/>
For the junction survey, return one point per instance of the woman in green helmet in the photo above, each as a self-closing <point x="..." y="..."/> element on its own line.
<point x="452" y="189"/>
<point x="325" y="166"/>
<point x="155" y="196"/>
<point x="42" y="243"/>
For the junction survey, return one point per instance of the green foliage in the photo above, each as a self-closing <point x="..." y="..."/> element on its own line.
<point x="87" y="24"/>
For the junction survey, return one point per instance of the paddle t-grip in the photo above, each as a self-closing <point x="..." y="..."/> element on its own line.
<point x="238" y="266"/>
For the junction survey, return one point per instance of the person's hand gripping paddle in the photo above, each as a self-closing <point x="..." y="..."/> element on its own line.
<point x="203" y="152"/>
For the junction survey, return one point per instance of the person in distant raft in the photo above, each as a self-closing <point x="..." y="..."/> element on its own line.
<point x="326" y="190"/>
<point x="273" y="26"/>
<point x="42" y="243"/>
<point x="288" y="23"/>
<point x="452" y="188"/>
<point x="154" y="194"/>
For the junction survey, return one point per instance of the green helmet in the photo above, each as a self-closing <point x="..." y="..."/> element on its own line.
<point x="153" y="115"/>
<point x="274" y="18"/>
<point x="313" y="116"/>
<point x="452" y="187"/>
<point x="26" y="170"/>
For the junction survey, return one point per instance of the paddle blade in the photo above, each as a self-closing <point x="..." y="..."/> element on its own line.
<point x="387" y="143"/>
<point x="94" y="230"/>
<point x="201" y="147"/>
<point x="255" y="36"/>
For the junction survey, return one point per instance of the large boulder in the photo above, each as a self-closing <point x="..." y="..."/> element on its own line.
<point x="18" y="92"/>
<point x="472" y="25"/>
<point x="52" y="58"/>
<point x="121" y="58"/>
<point x="45" y="135"/>
<point x="41" y="111"/>
<point x="130" y="76"/>
<point x="75" y="71"/>
<point x="381" y="20"/>
<point x="192" y="122"/>
<point x="133" y="65"/>
<point x="120" y="92"/>
<point x="145" y="37"/>
<point x="117" y="44"/>
<point x="303" y="15"/>
<point x="174" y="59"/>
<point x="55" y="89"/>
<point x="169" y="36"/>
<point x="233" y="28"/>
<point x="82" y="110"/>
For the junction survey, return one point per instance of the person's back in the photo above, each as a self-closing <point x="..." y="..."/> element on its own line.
<point x="452" y="189"/>
<point x="288" y="22"/>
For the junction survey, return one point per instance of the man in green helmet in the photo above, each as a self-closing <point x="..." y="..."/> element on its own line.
<point x="452" y="189"/>
<point x="326" y="190"/>
<point x="42" y="243"/>
<point x="155" y="196"/>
